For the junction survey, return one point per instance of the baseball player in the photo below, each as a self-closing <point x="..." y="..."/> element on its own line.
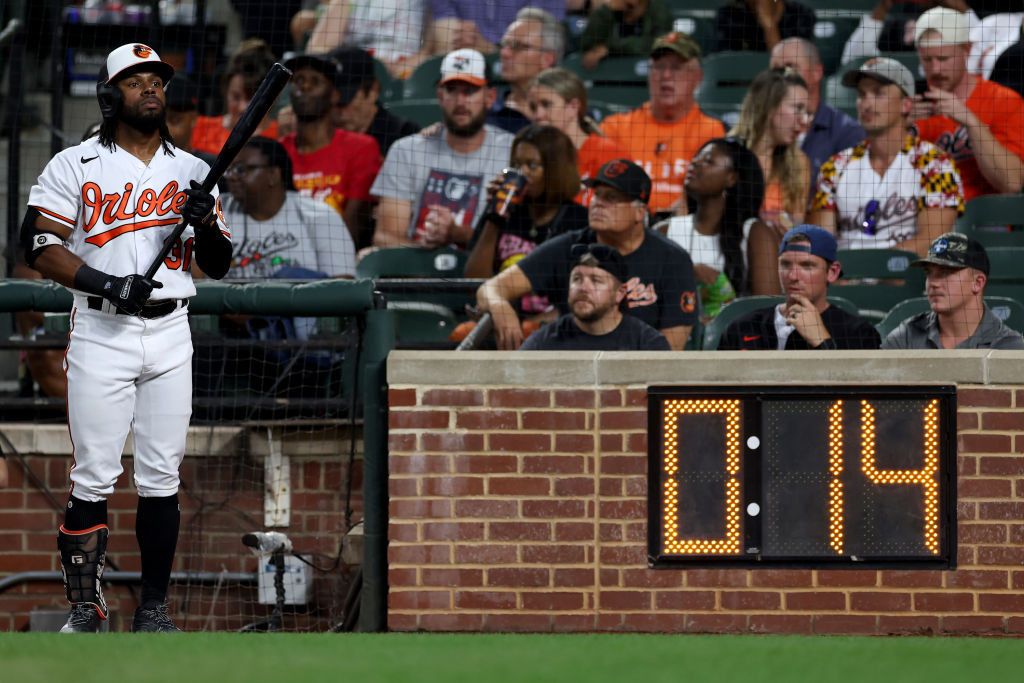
<point x="96" y="219"/>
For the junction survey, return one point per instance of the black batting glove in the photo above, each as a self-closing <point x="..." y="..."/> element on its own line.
<point x="128" y="293"/>
<point x="198" y="209"/>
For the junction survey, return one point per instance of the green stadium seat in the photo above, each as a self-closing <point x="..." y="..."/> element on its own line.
<point x="610" y="70"/>
<point x="390" y="87"/>
<point x="994" y="220"/>
<point x="875" y="280"/>
<point x="419" y="323"/>
<point x="1006" y="276"/>
<point x="740" y="307"/>
<point x="698" y="24"/>
<point x="422" y="112"/>
<point x="415" y="262"/>
<point x="1010" y="311"/>
<point x="830" y="35"/>
<point x="422" y="82"/>
<point x="727" y="76"/>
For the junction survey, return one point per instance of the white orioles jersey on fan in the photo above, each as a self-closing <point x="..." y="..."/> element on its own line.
<point x="120" y="210"/>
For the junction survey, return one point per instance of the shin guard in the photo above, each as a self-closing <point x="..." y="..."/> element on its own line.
<point x="82" y="556"/>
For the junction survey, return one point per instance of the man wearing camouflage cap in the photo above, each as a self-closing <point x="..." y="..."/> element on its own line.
<point x="956" y="270"/>
<point x="893" y="190"/>
<point x="666" y="132"/>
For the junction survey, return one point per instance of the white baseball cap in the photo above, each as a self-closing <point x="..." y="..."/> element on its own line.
<point x="464" y="65"/>
<point x="132" y="55"/>
<point x="953" y="28"/>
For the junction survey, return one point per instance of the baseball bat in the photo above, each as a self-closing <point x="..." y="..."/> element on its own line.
<point x="261" y="102"/>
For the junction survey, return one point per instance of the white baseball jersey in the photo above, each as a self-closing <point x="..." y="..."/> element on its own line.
<point x="120" y="210"/>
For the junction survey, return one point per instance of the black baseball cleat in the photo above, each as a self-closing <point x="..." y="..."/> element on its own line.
<point x="153" y="620"/>
<point x="83" y="618"/>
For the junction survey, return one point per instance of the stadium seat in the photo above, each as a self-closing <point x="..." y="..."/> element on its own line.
<point x="740" y="307"/>
<point x="1010" y="311"/>
<point x="419" y="323"/>
<point x="422" y="82"/>
<point x="422" y="112"/>
<point x="830" y="35"/>
<point x="390" y="87"/>
<point x="698" y="24"/>
<point x="727" y="77"/>
<point x="610" y="70"/>
<point x="994" y="220"/>
<point x="875" y="280"/>
<point x="845" y="99"/>
<point x="1006" y="274"/>
<point x="414" y="262"/>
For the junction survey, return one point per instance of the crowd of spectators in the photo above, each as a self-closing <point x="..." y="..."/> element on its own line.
<point x="694" y="216"/>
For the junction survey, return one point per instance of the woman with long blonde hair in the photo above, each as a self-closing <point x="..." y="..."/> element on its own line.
<point x="774" y="115"/>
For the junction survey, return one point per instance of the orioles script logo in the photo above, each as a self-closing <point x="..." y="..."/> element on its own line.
<point x="164" y="206"/>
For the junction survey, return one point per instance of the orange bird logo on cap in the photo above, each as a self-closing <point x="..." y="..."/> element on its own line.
<point x="614" y="169"/>
<point x="141" y="51"/>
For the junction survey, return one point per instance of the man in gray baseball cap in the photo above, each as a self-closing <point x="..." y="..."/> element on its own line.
<point x="956" y="270"/>
<point x="893" y="190"/>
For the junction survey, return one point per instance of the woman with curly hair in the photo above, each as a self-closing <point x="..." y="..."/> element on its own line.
<point x="724" y="189"/>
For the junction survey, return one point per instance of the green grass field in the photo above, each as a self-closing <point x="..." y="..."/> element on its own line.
<point x="495" y="658"/>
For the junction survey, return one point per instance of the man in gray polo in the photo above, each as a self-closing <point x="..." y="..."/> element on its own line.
<point x="956" y="270"/>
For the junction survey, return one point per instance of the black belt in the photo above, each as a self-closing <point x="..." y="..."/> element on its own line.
<point x="157" y="309"/>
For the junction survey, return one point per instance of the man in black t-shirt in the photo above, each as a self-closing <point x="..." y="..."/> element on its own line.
<point x="597" y="295"/>
<point x="807" y="265"/>
<point x="660" y="287"/>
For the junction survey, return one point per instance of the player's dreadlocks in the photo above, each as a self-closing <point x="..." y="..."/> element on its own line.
<point x="109" y="127"/>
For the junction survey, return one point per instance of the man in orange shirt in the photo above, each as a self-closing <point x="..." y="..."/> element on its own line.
<point x="977" y="122"/>
<point x="665" y="133"/>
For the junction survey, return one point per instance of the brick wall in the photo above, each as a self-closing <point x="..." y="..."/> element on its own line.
<point x="221" y="498"/>
<point x="517" y="507"/>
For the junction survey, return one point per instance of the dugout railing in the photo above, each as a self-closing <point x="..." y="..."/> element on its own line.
<point x="324" y="300"/>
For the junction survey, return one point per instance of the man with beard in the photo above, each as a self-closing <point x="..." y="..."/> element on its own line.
<point x="97" y="217"/>
<point x="432" y="188"/>
<point x="661" y="289"/>
<point x="975" y="121"/>
<point x="330" y="164"/>
<point x="597" y="298"/>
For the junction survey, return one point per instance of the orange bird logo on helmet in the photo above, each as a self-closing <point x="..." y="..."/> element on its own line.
<point x="141" y="51"/>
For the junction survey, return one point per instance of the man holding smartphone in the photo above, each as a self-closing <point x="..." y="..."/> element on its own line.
<point x="977" y="122"/>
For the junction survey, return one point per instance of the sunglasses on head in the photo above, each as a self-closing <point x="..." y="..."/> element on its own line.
<point x="870" y="222"/>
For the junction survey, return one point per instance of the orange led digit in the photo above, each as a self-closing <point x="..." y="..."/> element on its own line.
<point x="731" y="543"/>
<point x="927" y="477"/>
<point x="835" y="467"/>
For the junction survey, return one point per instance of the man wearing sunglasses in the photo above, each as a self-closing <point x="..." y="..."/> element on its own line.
<point x="660" y="284"/>
<point x="893" y="190"/>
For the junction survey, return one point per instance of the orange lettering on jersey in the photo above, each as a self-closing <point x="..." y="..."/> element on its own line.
<point x="123" y="204"/>
<point x="147" y="203"/>
<point x="115" y="207"/>
<point x="639" y="294"/>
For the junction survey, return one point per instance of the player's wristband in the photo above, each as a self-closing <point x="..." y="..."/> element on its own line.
<point x="92" y="281"/>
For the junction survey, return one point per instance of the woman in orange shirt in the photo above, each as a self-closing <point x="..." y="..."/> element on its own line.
<point x="557" y="97"/>
<point x="245" y="71"/>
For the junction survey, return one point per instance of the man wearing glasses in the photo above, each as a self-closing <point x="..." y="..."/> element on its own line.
<point x="667" y="131"/>
<point x="893" y="190"/>
<point x="533" y="42"/>
<point x="660" y="284"/>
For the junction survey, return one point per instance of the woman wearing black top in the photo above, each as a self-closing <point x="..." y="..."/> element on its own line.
<point x="547" y="157"/>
